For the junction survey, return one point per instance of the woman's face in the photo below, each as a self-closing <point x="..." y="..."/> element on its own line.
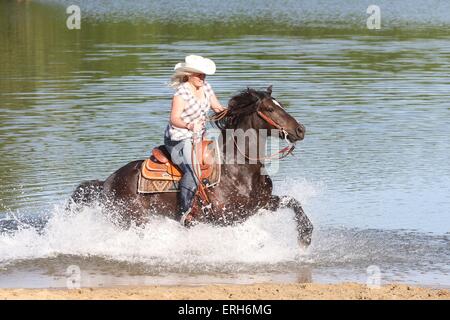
<point x="197" y="79"/>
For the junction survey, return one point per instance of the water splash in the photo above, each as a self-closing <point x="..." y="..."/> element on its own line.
<point x="265" y="244"/>
<point x="266" y="238"/>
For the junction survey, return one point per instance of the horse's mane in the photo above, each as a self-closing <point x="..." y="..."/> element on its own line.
<point x="241" y="106"/>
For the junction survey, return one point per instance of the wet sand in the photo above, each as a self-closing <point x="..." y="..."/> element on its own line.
<point x="312" y="291"/>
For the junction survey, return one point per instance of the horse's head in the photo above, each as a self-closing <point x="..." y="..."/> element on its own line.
<point x="275" y="116"/>
<point x="259" y="110"/>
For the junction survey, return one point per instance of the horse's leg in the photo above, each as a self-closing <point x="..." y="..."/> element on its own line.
<point x="85" y="194"/>
<point x="304" y="225"/>
<point x="122" y="201"/>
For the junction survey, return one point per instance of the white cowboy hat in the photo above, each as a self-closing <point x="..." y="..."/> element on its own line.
<point x="198" y="64"/>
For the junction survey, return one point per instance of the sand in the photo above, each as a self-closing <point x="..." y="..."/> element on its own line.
<point x="266" y="291"/>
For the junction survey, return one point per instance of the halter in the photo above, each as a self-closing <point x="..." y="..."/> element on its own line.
<point x="283" y="153"/>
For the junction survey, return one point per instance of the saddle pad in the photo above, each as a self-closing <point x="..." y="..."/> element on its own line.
<point x="157" y="186"/>
<point x="157" y="177"/>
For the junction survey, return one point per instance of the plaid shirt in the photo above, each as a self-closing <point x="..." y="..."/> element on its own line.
<point x="193" y="110"/>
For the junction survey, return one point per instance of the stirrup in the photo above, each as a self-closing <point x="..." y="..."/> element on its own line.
<point x="184" y="216"/>
<point x="207" y="209"/>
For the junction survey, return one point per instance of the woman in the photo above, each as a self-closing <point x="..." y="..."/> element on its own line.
<point x="191" y="102"/>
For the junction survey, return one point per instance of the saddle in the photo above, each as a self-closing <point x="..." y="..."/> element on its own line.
<point x="159" y="167"/>
<point x="160" y="174"/>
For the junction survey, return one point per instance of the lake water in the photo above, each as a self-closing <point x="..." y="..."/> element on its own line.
<point x="373" y="172"/>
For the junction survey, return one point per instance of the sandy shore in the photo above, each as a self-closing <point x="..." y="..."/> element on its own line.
<point x="216" y="292"/>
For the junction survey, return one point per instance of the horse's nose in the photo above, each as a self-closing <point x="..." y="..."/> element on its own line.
<point x="300" y="131"/>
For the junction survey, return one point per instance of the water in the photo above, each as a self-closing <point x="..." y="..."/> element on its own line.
<point x="372" y="173"/>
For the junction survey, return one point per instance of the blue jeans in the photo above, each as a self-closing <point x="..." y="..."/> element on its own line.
<point x="181" y="153"/>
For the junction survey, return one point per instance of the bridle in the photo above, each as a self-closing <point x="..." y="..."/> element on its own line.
<point x="277" y="155"/>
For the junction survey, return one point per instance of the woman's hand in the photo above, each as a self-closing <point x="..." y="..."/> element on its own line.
<point x="175" y="116"/>
<point x="220" y="109"/>
<point x="215" y="104"/>
<point x="197" y="125"/>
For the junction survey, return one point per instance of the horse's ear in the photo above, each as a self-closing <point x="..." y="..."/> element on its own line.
<point x="269" y="90"/>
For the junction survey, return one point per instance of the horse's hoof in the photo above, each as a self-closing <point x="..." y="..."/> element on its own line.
<point x="304" y="243"/>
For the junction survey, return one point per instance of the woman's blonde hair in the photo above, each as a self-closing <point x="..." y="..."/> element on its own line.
<point x="179" y="77"/>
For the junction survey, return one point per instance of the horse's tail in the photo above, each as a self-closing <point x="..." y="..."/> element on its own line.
<point x="86" y="193"/>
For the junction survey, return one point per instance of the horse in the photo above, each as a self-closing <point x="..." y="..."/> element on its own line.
<point x="244" y="188"/>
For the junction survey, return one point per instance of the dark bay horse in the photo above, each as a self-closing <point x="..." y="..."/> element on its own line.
<point x="243" y="189"/>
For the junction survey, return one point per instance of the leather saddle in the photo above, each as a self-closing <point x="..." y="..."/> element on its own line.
<point x="160" y="166"/>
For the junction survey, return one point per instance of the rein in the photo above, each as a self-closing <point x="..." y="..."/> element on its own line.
<point x="198" y="172"/>
<point x="283" y="152"/>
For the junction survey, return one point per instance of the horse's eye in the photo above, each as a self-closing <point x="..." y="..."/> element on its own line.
<point x="268" y="108"/>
